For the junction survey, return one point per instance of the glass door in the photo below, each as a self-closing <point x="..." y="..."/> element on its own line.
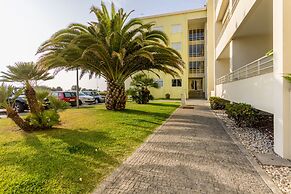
<point x="196" y="84"/>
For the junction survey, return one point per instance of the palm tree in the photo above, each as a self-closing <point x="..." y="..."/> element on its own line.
<point x="27" y="73"/>
<point x="140" y="88"/>
<point x="143" y="81"/>
<point x="7" y="99"/>
<point x="113" y="47"/>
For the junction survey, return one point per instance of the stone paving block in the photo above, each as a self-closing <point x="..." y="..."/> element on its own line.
<point x="191" y="153"/>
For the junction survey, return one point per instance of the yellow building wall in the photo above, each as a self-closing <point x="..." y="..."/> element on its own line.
<point x="166" y="21"/>
<point x="210" y="46"/>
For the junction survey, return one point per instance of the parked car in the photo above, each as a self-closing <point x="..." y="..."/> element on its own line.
<point x="20" y="104"/>
<point x="66" y="96"/>
<point x="86" y="99"/>
<point x="98" y="98"/>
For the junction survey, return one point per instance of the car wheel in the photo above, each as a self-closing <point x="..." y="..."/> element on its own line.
<point x="97" y="101"/>
<point x="80" y="102"/>
<point x="19" y="107"/>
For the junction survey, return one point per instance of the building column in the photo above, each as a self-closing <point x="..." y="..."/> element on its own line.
<point x="282" y="65"/>
<point x="210" y="48"/>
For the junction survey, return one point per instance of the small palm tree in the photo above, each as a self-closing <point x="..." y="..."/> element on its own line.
<point x="7" y="100"/>
<point x="27" y="73"/>
<point x="113" y="47"/>
<point x="140" y="88"/>
<point x="143" y="81"/>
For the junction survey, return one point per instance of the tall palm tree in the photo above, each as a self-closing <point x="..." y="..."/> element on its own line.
<point x="7" y="99"/>
<point x="27" y="73"/>
<point x="114" y="47"/>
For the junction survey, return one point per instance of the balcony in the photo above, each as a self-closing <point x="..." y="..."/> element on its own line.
<point x="227" y="16"/>
<point x="258" y="67"/>
<point x="199" y="72"/>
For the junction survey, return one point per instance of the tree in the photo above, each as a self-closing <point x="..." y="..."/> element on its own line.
<point x="74" y="88"/>
<point x="113" y="47"/>
<point x="7" y="100"/>
<point x="27" y="73"/>
<point x="59" y="88"/>
<point x="140" y="88"/>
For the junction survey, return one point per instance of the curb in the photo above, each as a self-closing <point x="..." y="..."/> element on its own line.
<point x="250" y="158"/>
<point x="107" y="180"/>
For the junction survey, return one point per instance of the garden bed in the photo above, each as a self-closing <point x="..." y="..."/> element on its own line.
<point x="259" y="141"/>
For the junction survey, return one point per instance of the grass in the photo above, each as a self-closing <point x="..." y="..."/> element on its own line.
<point x="73" y="158"/>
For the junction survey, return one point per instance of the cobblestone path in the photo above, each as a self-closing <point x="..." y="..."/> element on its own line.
<point x="191" y="153"/>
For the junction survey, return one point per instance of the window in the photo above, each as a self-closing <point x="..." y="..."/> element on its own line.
<point x="159" y="28"/>
<point x="69" y="94"/>
<point x="176" y="28"/>
<point x="176" y="82"/>
<point x="197" y="34"/>
<point x="196" y="67"/>
<point x="160" y="83"/>
<point x="54" y="94"/>
<point x="196" y="50"/>
<point x="177" y="46"/>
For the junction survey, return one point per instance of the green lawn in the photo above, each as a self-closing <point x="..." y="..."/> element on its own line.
<point x="76" y="156"/>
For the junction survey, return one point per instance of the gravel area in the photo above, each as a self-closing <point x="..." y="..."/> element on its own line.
<point x="259" y="141"/>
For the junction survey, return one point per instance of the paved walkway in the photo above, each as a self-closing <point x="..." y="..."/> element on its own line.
<point x="191" y="153"/>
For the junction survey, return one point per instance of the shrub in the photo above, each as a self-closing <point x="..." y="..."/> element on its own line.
<point x="103" y="93"/>
<point x="56" y="104"/>
<point x="43" y="120"/>
<point x="168" y="96"/>
<point x="243" y="114"/>
<point x="140" y="96"/>
<point x="217" y="103"/>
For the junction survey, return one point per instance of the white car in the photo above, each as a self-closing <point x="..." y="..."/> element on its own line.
<point x="85" y="99"/>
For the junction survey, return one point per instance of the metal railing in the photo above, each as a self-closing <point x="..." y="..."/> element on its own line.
<point x="196" y="71"/>
<point x="258" y="67"/>
<point x="228" y="14"/>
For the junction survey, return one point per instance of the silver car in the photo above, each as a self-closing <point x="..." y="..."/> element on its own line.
<point x="85" y="99"/>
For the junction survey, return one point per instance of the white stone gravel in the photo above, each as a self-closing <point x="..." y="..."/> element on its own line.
<point x="258" y="142"/>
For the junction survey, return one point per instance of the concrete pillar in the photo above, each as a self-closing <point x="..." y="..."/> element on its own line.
<point x="282" y="65"/>
<point x="232" y="56"/>
<point x="210" y="48"/>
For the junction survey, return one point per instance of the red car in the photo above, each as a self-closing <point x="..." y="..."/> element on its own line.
<point x="69" y="97"/>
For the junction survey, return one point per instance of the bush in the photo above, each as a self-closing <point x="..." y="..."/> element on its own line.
<point x="243" y="114"/>
<point x="43" y="120"/>
<point x="56" y="104"/>
<point x="140" y="96"/>
<point x="103" y="93"/>
<point x="168" y="96"/>
<point x="217" y="103"/>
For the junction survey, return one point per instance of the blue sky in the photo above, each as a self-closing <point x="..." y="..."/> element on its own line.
<point x="28" y="23"/>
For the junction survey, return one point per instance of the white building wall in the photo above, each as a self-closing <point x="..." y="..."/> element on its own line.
<point x="257" y="91"/>
<point x="248" y="49"/>
<point x="242" y="9"/>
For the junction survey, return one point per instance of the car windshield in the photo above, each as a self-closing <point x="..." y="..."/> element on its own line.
<point x="88" y="93"/>
<point x="82" y="94"/>
<point x="69" y="94"/>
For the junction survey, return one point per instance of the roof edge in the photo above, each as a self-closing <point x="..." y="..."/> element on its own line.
<point x="173" y="13"/>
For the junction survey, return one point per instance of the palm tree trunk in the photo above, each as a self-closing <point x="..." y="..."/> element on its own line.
<point x="12" y="114"/>
<point x="32" y="100"/>
<point x="116" y="96"/>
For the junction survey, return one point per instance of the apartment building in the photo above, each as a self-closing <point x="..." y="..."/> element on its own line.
<point x="187" y="32"/>
<point x="238" y="50"/>
<point x="245" y="30"/>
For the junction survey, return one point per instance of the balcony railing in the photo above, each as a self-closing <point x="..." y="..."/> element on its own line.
<point x="261" y="66"/>
<point x="228" y="14"/>
<point x="196" y="71"/>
